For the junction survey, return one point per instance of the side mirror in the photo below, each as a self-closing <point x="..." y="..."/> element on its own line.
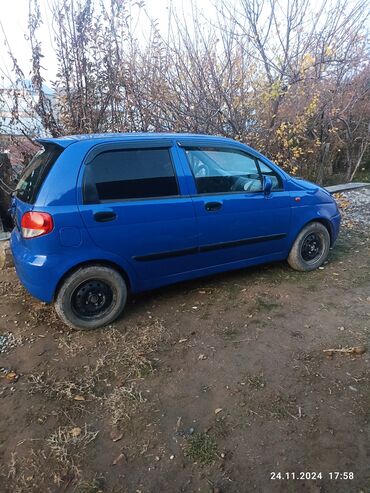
<point x="267" y="185"/>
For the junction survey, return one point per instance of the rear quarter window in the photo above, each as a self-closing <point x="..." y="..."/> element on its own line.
<point x="35" y="173"/>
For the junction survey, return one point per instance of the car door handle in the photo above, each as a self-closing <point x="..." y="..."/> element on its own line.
<point x="104" y="216"/>
<point x="213" y="206"/>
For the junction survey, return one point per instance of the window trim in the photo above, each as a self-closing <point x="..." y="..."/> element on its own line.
<point x="117" y="146"/>
<point x="103" y="148"/>
<point x="227" y="149"/>
<point x="282" y="189"/>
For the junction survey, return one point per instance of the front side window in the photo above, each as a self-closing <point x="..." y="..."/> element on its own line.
<point x="223" y="170"/>
<point x="129" y="174"/>
<point x="277" y="183"/>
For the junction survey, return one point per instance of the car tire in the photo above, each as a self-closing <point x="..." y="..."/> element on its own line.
<point x="91" y="297"/>
<point x="311" y="248"/>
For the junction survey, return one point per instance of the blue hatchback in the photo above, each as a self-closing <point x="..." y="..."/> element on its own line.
<point x="98" y="216"/>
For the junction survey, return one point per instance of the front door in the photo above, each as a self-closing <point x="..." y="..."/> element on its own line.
<point x="235" y="219"/>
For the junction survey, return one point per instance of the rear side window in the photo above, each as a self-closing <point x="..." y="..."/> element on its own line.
<point x="129" y="174"/>
<point x="35" y="173"/>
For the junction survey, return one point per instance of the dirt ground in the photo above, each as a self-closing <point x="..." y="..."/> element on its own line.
<point x="208" y="386"/>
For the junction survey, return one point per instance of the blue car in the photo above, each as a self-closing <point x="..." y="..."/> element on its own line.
<point x="99" y="216"/>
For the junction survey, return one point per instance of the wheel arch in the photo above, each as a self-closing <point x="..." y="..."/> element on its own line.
<point x="322" y="220"/>
<point x="104" y="263"/>
<point x="325" y="222"/>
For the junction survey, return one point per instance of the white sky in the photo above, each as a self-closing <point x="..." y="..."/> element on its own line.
<point x="14" y="18"/>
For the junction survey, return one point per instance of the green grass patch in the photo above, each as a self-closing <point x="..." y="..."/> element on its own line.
<point x="201" y="448"/>
<point x="264" y="304"/>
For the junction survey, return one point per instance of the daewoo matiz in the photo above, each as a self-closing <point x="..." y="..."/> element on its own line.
<point x="98" y="216"/>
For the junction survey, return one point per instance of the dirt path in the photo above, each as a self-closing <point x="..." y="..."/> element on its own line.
<point x="207" y="386"/>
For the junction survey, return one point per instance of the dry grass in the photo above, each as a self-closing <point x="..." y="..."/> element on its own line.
<point x="119" y="357"/>
<point x="62" y="451"/>
<point x="80" y="385"/>
<point x="102" y="380"/>
<point x="67" y="445"/>
<point x="122" y="403"/>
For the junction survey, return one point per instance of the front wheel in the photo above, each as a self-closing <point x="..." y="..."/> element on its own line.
<point x="311" y="248"/>
<point x="91" y="297"/>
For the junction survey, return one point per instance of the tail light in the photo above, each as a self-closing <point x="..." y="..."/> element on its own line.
<point x="36" y="224"/>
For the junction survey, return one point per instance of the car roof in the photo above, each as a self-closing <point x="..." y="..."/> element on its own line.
<point x="132" y="136"/>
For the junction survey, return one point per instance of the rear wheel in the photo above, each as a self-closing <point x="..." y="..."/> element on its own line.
<point x="311" y="248"/>
<point x="91" y="297"/>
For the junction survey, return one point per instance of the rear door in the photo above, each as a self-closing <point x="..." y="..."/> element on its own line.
<point x="235" y="219"/>
<point x="135" y="204"/>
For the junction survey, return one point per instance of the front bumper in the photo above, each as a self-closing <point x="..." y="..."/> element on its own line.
<point x="335" y="222"/>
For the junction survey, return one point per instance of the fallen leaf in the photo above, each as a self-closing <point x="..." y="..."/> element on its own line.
<point x="11" y="376"/>
<point x="118" y="459"/>
<point x="116" y="436"/>
<point x="75" y="432"/>
<point x="359" y="350"/>
<point x="178" y="424"/>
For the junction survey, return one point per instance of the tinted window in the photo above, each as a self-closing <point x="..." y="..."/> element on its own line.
<point x="35" y="173"/>
<point x="277" y="183"/>
<point x="223" y="170"/>
<point x="129" y="174"/>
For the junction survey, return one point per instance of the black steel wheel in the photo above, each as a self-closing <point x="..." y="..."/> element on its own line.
<point x="91" y="297"/>
<point x="311" y="247"/>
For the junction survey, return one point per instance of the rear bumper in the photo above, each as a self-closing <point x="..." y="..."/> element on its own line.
<point x="37" y="273"/>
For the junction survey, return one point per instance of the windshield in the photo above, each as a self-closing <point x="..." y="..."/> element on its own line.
<point x="35" y="173"/>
